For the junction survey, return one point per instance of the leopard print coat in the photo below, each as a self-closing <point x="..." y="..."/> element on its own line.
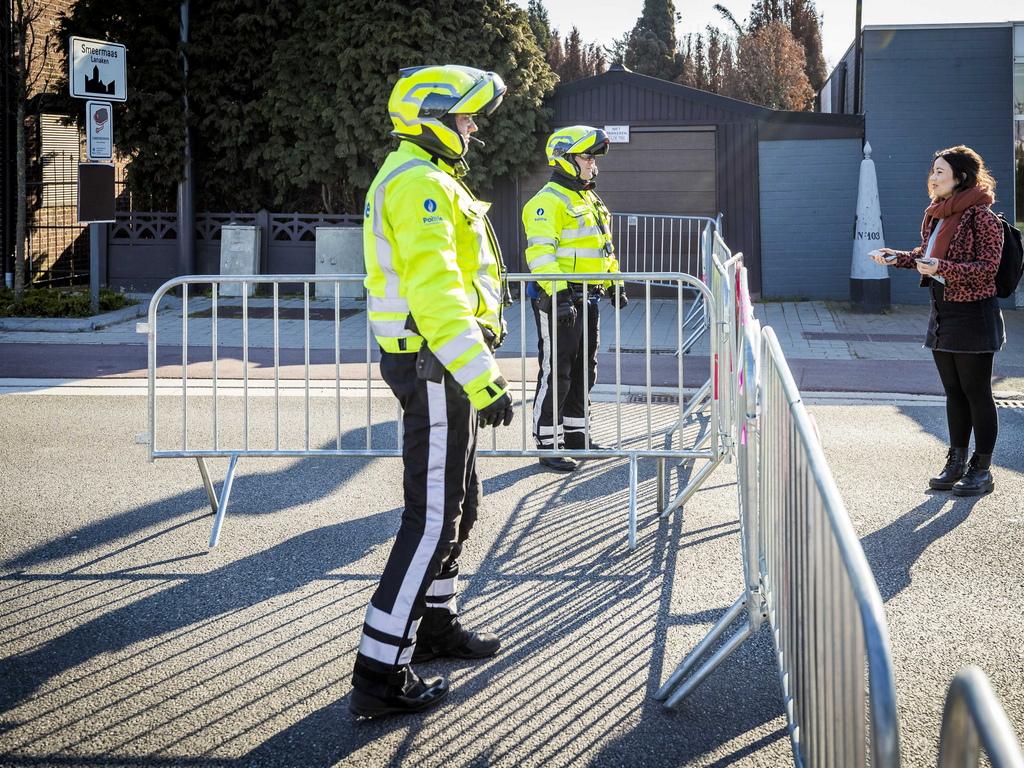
<point x="972" y="260"/>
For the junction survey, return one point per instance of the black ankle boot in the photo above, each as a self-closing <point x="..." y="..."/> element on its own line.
<point x="405" y="692"/>
<point x="978" y="479"/>
<point x="956" y="466"/>
<point x="443" y="636"/>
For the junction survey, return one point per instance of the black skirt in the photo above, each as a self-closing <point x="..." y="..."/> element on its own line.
<point x="964" y="326"/>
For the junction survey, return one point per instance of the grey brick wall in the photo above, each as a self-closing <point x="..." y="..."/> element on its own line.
<point x="808" y="205"/>
<point x="926" y="89"/>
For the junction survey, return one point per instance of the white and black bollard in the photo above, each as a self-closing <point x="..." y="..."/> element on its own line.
<point x="869" y="282"/>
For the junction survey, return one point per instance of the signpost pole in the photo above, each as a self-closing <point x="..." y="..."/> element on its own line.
<point x="94" y="267"/>
<point x="97" y="68"/>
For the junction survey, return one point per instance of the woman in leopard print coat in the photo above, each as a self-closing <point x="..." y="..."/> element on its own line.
<point x="961" y="244"/>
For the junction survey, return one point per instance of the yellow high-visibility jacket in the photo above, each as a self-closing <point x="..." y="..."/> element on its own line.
<point x="430" y="253"/>
<point x="567" y="231"/>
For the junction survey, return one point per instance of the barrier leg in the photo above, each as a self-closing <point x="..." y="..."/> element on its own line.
<point x="222" y="503"/>
<point x="711" y="665"/>
<point x="632" y="502"/>
<point x="691" y="487"/>
<point x="702" y="647"/>
<point x="661" y="484"/>
<point x="210" y="493"/>
<point x="696" y="402"/>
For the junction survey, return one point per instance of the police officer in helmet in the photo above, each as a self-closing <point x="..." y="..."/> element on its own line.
<point x="568" y="229"/>
<point x="435" y="301"/>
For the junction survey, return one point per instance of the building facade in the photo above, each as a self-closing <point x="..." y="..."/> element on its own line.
<point x="926" y="87"/>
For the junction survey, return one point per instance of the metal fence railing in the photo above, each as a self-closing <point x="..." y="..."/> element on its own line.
<point x="823" y="604"/>
<point x="973" y="720"/>
<point x="250" y="331"/>
<point x="651" y="242"/>
<point x="804" y="570"/>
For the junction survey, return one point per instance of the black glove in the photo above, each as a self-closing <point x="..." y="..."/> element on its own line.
<point x="500" y="411"/>
<point x="622" y="300"/>
<point x="565" y="306"/>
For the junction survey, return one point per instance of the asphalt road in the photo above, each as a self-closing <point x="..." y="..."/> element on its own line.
<point x="126" y="643"/>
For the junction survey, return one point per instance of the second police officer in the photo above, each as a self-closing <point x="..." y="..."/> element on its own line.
<point x="568" y="229"/>
<point x="434" y="299"/>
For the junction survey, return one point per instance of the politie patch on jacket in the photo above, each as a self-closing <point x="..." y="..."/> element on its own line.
<point x="430" y="206"/>
<point x="540" y="215"/>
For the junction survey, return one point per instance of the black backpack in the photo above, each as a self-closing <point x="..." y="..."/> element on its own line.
<point x="1011" y="263"/>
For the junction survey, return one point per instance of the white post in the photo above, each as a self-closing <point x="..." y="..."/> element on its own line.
<point x="869" y="282"/>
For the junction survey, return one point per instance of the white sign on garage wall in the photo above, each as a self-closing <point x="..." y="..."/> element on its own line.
<point x="617" y="134"/>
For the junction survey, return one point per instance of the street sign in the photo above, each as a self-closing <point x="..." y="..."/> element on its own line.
<point x="98" y="69"/>
<point x="95" y="193"/>
<point x="617" y="134"/>
<point x="99" y="130"/>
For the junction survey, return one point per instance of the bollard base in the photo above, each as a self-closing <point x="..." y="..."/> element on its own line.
<point x="869" y="296"/>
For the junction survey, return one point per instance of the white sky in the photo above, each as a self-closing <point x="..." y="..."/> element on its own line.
<point x="602" y="20"/>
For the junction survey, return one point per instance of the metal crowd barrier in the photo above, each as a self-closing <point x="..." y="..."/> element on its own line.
<point x="654" y="242"/>
<point x="805" y="571"/>
<point x="972" y="719"/>
<point x="663" y="443"/>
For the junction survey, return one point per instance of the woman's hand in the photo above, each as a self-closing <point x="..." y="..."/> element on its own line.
<point x="928" y="268"/>
<point x="879" y="256"/>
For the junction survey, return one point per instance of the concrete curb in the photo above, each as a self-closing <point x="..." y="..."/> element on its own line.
<point x="79" y="324"/>
<point x="73" y="324"/>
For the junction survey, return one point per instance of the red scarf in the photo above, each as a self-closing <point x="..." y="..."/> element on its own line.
<point x="951" y="209"/>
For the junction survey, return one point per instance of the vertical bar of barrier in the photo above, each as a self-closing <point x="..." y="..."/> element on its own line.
<point x="661" y="255"/>
<point x="151" y="339"/>
<point x="245" y="368"/>
<point x="184" y="367"/>
<point x="556" y="424"/>
<point x="679" y="361"/>
<point x="369" y="372"/>
<point x="523" y="302"/>
<point x="586" y="362"/>
<point x="337" y="363"/>
<point x="213" y="337"/>
<point x="632" y="502"/>
<point x="647" y="355"/>
<point x="689" y="248"/>
<point x="305" y="352"/>
<point x="618" y="367"/>
<point x="277" y="373"/>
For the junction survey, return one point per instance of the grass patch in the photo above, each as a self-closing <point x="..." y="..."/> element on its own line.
<point x="58" y="302"/>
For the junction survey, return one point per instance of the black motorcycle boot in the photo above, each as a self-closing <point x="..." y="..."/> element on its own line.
<point x="978" y="479"/>
<point x="575" y="441"/>
<point x="443" y="636"/>
<point x="405" y="692"/>
<point x="558" y="463"/>
<point x="956" y="466"/>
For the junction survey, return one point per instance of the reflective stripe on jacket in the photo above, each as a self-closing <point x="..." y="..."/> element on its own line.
<point x="567" y="231"/>
<point x="430" y="254"/>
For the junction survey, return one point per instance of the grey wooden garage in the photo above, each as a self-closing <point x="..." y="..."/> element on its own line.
<point x="689" y="152"/>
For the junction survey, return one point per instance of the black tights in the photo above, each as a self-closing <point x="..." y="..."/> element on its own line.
<point x="967" y="379"/>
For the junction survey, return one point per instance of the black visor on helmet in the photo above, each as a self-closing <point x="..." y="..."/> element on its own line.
<point x="437" y="104"/>
<point x="600" y="147"/>
<point x="495" y="103"/>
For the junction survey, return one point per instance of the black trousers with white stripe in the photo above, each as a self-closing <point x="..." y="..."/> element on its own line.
<point x="575" y="368"/>
<point x="442" y="495"/>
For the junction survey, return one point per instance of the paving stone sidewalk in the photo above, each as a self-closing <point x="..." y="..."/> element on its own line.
<point x="829" y="346"/>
